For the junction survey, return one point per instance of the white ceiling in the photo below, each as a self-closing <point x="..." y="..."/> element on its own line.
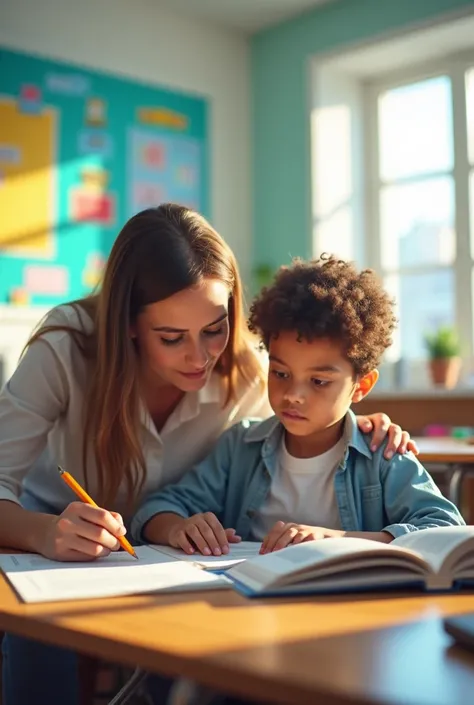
<point x="416" y="47"/>
<point x="244" y="15"/>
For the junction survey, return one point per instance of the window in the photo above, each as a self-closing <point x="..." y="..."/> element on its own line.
<point x="470" y="138"/>
<point x="420" y="142"/>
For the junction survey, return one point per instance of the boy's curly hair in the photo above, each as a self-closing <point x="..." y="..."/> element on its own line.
<point x="328" y="298"/>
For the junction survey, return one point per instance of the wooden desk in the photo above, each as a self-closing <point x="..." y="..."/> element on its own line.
<point x="458" y="455"/>
<point x="349" y="650"/>
<point x="445" y="450"/>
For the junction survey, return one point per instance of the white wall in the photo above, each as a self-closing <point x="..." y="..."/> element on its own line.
<point x="141" y="39"/>
<point x="337" y="154"/>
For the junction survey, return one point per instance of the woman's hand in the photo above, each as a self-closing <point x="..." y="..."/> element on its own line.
<point x="203" y="532"/>
<point x="288" y="534"/>
<point x="82" y="533"/>
<point x="398" y="440"/>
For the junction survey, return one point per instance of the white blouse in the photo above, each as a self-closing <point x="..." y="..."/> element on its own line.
<point x="41" y="422"/>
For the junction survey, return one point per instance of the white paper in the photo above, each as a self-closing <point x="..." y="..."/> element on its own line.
<point x="38" y="579"/>
<point x="238" y="552"/>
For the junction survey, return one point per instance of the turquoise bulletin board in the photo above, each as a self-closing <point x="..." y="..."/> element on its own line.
<point x="81" y="152"/>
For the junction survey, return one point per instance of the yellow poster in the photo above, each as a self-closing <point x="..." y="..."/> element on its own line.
<point x="27" y="180"/>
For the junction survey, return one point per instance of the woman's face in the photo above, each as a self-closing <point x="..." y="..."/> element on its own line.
<point x="180" y="339"/>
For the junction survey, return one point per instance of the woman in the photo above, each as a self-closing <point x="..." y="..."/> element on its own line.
<point x="108" y="388"/>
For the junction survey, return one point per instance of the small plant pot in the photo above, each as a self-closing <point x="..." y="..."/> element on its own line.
<point x="445" y="371"/>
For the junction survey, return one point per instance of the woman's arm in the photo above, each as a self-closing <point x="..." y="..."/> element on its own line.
<point x="21" y="529"/>
<point x="80" y="533"/>
<point x="30" y="404"/>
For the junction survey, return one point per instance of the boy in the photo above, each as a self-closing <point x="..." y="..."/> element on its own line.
<point x="307" y="473"/>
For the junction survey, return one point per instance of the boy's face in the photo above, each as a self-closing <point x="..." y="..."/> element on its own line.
<point x="311" y="385"/>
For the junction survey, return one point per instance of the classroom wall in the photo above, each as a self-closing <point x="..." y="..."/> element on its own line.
<point x="144" y="41"/>
<point x="337" y="163"/>
<point x="280" y="95"/>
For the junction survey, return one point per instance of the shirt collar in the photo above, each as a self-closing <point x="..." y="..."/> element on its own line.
<point x="188" y="409"/>
<point x="189" y="406"/>
<point x="355" y="437"/>
<point x="270" y="432"/>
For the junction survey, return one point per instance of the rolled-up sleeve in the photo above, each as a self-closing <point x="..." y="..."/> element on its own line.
<point x="30" y="403"/>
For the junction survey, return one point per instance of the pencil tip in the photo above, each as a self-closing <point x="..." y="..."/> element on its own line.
<point x="60" y="470"/>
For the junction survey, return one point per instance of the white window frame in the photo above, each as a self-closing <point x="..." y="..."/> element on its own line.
<point x="455" y="68"/>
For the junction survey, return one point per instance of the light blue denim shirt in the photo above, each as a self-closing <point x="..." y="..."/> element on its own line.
<point x="372" y="493"/>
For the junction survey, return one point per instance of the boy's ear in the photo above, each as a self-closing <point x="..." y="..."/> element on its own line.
<point x="365" y="385"/>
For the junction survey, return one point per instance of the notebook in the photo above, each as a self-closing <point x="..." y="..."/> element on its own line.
<point x="461" y="628"/>
<point x="38" y="579"/>
<point x="437" y="559"/>
<point x="238" y="552"/>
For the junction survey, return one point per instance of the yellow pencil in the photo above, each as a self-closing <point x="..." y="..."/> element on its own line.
<point x="84" y="497"/>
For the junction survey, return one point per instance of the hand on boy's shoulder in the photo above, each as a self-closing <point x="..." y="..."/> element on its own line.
<point x="378" y="431"/>
<point x="385" y="454"/>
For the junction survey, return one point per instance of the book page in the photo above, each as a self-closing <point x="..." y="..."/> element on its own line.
<point x="238" y="552"/>
<point x="38" y="579"/>
<point x="438" y="545"/>
<point x="331" y="556"/>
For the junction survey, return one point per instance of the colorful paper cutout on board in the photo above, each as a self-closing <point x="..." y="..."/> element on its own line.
<point x="185" y="175"/>
<point x="29" y="100"/>
<point x="56" y="119"/>
<point x="89" y="201"/>
<point x="18" y="296"/>
<point x="95" y="112"/>
<point x="162" y="117"/>
<point x="10" y="154"/>
<point x="153" y="155"/>
<point x="50" y="280"/>
<point x="95" y="177"/>
<point x="93" y="270"/>
<point x="28" y="231"/>
<point x="178" y="179"/>
<point x="69" y="84"/>
<point x="148" y="195"/>
<point x="95" y="142"/>
<point x="89" y="207"/>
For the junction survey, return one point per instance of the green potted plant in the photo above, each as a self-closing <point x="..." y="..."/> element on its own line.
<point x="263" y="274"/>
<point x="444" y="356"/>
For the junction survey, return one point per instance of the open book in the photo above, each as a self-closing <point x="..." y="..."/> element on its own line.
<point x="38" y="579"/>
<point x="430" y="559"/>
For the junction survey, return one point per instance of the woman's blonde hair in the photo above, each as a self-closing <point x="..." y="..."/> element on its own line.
<point x="158" y="253"/>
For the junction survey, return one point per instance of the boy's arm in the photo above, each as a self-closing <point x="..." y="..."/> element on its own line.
<point x="412" y="501"/>
<point x="202" y="489"/>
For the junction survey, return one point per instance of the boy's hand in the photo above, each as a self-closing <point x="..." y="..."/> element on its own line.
<point x="283" y="535"/>
<point x="202" y="532"/>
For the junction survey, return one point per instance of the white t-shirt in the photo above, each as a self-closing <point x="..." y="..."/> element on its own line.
<point x="41" y="422"/>
<point x="302" y="491"/>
